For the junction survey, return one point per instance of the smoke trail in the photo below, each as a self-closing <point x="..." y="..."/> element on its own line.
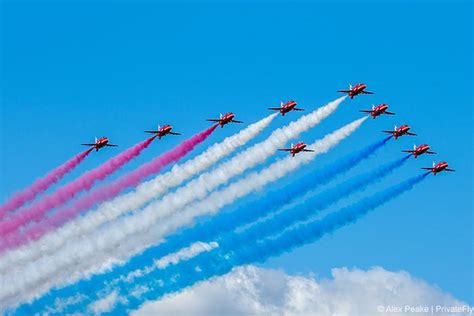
<point x="217" y="200"/>
<point x="318" y="202"/>
<point x="83" y="254"/>
<point x="41" y="185"/>
<point x="219" y="262"/>
<point x="68" y="191"/>
<point x="133" y="200"/>
<point x="107" y="192"/>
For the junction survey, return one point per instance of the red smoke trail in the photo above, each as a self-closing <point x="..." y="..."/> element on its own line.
<point x="107" y="192"/>
<point x="38" y="210"/>
<point x="40" y="185"/>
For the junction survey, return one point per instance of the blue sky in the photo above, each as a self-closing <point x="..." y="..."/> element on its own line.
<point x="70" y="72"/>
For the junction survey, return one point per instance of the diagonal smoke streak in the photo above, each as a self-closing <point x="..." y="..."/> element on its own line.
<point x="215" y="201"/>
<point x="218" y="262"/>
<point x="21" y="198"/>
<point x="46" y="272"/>
<point x="106" y="192"/>
<point x="38" y="210"/>
<point x="131" y="201"/>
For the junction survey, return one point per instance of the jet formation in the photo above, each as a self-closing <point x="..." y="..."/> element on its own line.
<point x="290" y="106"/>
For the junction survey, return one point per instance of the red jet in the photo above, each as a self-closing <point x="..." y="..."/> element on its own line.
<point x="297" y="148"/>
<point x="286" y="107"/>
<point x="225" y="119"/>
<point x="163" y="131"/>
<point x="440" y="166"/>
<point x="400" y="131"/>
<point x="99" y="143"/>
<point x="378" y="110"/>
<point x="420" y="150"/>
<point x="355" y="90"/>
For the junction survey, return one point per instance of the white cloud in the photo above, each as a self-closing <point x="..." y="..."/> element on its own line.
<point x="255" y="291"/>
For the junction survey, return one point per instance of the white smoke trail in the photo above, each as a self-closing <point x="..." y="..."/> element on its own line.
<point x="81" y="256"/>
<point x="254" y="181"/>
<point x="173" y="258"/>
<point x="131" y="201"/>
<point x="107" y="303"/>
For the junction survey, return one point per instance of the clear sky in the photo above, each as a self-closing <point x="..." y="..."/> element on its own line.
<point x="70" y="72"/>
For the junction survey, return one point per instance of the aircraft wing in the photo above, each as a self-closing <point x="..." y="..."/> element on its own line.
<point x="88" y="144"/>
<point x="213" y="120"/>
<point x="111" y="145"/>
<point x="389" y="132"/>
<point x="344" y="91"/>
<point x="449" y="169"/>
<point x="234" y="121"/>
<point x="431" y="152"/>
<point x="274" y="109"/>
<point x="367" y="92"/>
<point x="411" y="134"/>
<point x="173" y="133"/>
<point x="408" y="151"/>
<point x="308" y="150"/>
<point x="389" y="113"/>
<point x="151" y="132"/>
<point x="298" y="109"/>
<point x="285" y="149"/>
<point x="430" y="169"/>
<point x="365" y="111"/>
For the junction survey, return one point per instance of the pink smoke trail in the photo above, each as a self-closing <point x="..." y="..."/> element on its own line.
<point x="104" y="193"/>
<point x="21" y="198"/>
<point x="38" y="210"/>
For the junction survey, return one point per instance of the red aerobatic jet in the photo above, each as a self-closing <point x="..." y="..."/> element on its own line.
<point x="420" y="150"/>
<point x="99" y="143"/>
<point x="225" y="119"/>
<point x="163" y="131"/>
<point x="378" y="110"/>
<point x="286" y="107"/>
<point x="400" y="131"/>
<point x="355" y="90"/>
<point x="297" y="148"/>
<point x="440" y="166"/>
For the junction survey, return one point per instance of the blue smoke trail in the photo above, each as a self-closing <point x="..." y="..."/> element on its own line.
<point x="221" y="261"/>
<point x="318" y="202"/>
<point x="208" y="230"/>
